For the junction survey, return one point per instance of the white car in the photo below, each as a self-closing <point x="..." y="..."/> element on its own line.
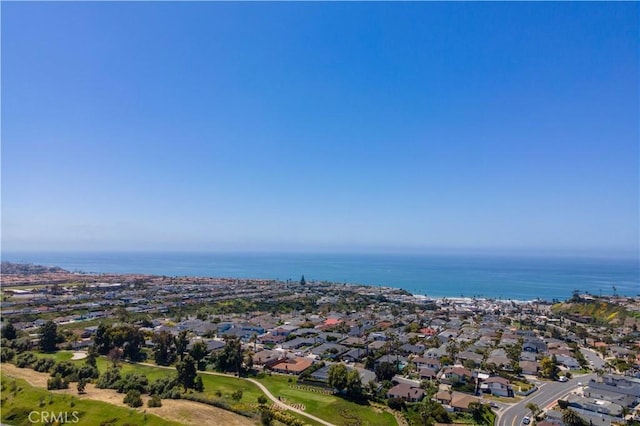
<point x="562" y="379"/>
<point x="526" y="421"/>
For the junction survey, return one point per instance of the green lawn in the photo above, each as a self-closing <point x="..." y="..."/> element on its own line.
<point x="57" y="356"/>
<point x="25" y="399"/>
<point x="332" y="408"/>
<point x="328" y="407"/>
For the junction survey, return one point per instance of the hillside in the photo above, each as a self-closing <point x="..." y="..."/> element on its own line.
<point x="594" y="311"/>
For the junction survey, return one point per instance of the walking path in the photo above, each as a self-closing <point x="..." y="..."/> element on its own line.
<point x="261" y="387"/>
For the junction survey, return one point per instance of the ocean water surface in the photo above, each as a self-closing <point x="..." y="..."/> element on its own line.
<point x="504" y="277"/>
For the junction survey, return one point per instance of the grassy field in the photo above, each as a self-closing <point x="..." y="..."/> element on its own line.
<point x="19" y="399"/>
<point x="214" y="385"/>
<point x="328" y="407"/>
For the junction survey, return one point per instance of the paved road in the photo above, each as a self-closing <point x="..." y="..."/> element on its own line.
<point x="545" y="396"/>
<point x="262" y="388"/>
<point x="593" y="356"/>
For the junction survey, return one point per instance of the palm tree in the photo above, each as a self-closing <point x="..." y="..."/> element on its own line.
<point x="571" y="418"/>
<point x="534" y="408"/>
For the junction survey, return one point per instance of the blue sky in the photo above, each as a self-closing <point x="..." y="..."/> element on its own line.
<point x="320" y="126"/>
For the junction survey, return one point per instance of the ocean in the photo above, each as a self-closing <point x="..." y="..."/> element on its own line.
<point x="502" y="277"/>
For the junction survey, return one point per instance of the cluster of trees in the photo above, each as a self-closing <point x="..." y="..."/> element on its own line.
<point x="167" y="387"/>
<point x="63" y="372"/>
<point x="122" y="337"/>
<point x="345" y="380"/>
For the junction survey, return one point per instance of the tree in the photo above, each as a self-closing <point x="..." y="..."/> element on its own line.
<point x="548" y="367"/>
<point x="198" y="386"/>
<point x="163" y="349"/>
<point x="133" y="399"/>
<point x="534" y="408"/>
<point x="92" y="356"/>
<point x="354" y="384"/>
<point x="476" y="410"/>
<point x="385" y="371"/>
<point x="9" y="332"/>
<point x="101" y="339"/>
<point x="82" y="384"/>
<point x="571" y="418"/>
<point x="48" y="336"/>
<point x="337" y="376"/>
<point x="186" y="372"/>
<point x="262" y="400"/>
<point x="230" y="358"/>
<point x="198" y="352"/>
<point x="124" y="336"/>
<point x="182" y="341"/>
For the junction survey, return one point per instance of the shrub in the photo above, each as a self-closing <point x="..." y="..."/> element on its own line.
<point x="109" y="379"/>
<point x="26" y="359"/>
<point x="262" y="400"/>
<point x="266" y="417"/>
<point x="67" y="370"/>
<point x="237" y="395"/>
<point x="88" y="372"/>
<point x="164" y="387"/>
<point x="563" y="404"/>
<point x="133" y="399"/>
<point x="6" y="354"/>
<point x="133" y="381"/>
<point x="44" y="365"/>
<point x="155" y="401"/>
<point x="396" y="403"/>
<point x="198" y="386"/>
<point x="82" y="384"/>
<point x="57" y="382"/>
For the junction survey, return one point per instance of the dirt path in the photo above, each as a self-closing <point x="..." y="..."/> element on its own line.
<point x="181" y="411"/>
<point x="263" y="389"/>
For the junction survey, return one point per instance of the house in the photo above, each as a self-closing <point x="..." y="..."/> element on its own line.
<point x="329" y="350"/>
<point x="530" y="367"/>
<point x="294" y="365"/>
<point x="471" y="356"/>
<point x="354" y="355"/>
<point x="597" y="406"/>
<point x="443" y="397"/>
<point x="406" y="392"/>
<point x="451" y="375"/>
<point x="398" y="361"/>
<point x="408" y="349"/>
<point x="570" y="362"/>
<point x="499" y="358"/>
<point x="427" y="374"/>
<point x="266" y="357"/>
<point x="271" y="339"/>
<point x="435" y="353"/>
<point x="460" y="401"/>
<point x="614" y="384"/>
<point x="433" y="364"/>
<point x="497" y="386"/>
<point x="534" y="345"/>
<point x="298" y="343"/>
<point x="214" y="345"/>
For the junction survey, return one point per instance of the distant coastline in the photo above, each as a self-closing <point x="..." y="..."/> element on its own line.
<point x="435" y="276"/>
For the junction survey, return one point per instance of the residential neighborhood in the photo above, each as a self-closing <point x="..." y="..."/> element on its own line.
<point x="459" y="353"/>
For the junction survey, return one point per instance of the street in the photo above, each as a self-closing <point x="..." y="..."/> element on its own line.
<point x="546" y="395"/>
